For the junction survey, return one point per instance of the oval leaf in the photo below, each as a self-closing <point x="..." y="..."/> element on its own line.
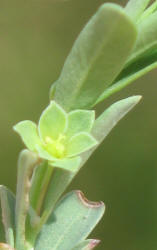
<point x="97" y="57"/>
<point x="71" y="222"/>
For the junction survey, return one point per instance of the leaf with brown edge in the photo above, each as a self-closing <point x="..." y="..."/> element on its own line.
<point x="71" y="222"/>
<point x="87" y="244"/>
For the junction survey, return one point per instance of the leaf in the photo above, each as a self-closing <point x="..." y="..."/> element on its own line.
<point x="53" y="121"/>
<point x="87" y="245"/>
<point x="152" y="8"/>
<point x="97" y="57"/>
<point x="111" y="116"/>
<point x="102" y="127"/>
<point x="130" y="74"/>
<point x="28" y="132"/>
<point x="135" y="8"/>
<point x="80" y="121"/>
<point x="7" y="199"/>
<point x="71" y="222"/>
<point x="79" y="143"/>
<point x="147" y="38"/>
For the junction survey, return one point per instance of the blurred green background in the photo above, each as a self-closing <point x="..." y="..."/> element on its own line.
<point x="35" y="38"/>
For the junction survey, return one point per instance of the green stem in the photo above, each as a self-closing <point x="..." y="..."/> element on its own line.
<point x="40" y="183"/>
<point x="39" y="186"/>
<point x="26" y="164"/>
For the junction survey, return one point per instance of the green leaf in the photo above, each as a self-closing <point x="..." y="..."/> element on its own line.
<point x="71" y="222"/>
<point x="80" y="121"/>
<point x="147" y="38"/>
<point x="53" y="121"/>
<point x="152" y="8"/>
<point x="130" y="74"/>
<point x="79" y="143"/>
<point x="68" y="164"/>
<point x="60" y="180"/>
<point x="135" y="8"/>
<point x="87" y="245"/>
<point x="97" y="57"/>
<point x="102" y="127"/>
<point x="28" y="132"/>
<point x="111" y="116"/>
<point x="7" y="199"/>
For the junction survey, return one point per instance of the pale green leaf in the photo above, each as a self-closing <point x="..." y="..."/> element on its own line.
<point x="71" y="222"/>
<point x="7" y="199"/>
<point x="130" y="74"/>
<point x="71" y="164"/>
<point x="147" y="38"/>
<point x="80" y="121"/>
<point x="87" y="245"/>
<point x="152" y="8"/>
<point x="97" y="57"/>
<point x="80" y="143"/>
<point x="135" y="8"/>
<point x="28" y="132"/>
<point x="111" y="116"/>
<point x="53" y="121"/>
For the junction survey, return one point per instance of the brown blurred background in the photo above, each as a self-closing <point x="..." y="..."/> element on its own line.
<point x="35" y="38"/>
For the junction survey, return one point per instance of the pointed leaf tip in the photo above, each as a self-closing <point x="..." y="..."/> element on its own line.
<point x="135" y="99"/>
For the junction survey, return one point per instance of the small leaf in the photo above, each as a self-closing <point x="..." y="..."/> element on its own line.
<point x="28" y="131"/>
<point x="71" y="222"/>
<point x="8" y="214"/>
<point x="97" y="57"/>
<point x="87" y="245"/>
<point x="135" y="8"/>
<point x="79" y="143"/>
<point x="80" y="121"/>
<point x="71" y="164"/>
<point x="53" y="121"/>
